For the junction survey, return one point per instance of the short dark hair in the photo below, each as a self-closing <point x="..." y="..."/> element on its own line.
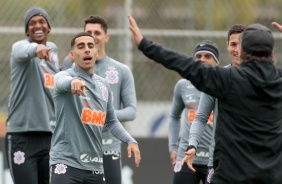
<point x="96" y="20"/>
<point x="79" y="35"/>
<point x="236" y="28"/>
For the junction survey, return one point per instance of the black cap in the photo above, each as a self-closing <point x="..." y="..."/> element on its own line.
<point x="257" y="40"/>
<point x="208" y="47"/>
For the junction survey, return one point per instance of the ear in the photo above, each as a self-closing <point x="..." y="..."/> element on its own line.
<point x="107" y="38"/>
<point x="71" y="55"/>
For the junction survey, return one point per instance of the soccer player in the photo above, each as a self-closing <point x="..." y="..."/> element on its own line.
<point x="84" y="107"/>
<point x="121" y="80"/>
<point x="187" y="97"/>
<point x="31" y="114"/>
<point x="209" y="104"/>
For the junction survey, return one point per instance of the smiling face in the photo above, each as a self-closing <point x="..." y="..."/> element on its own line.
<point x="233" y="47"/>
<point x="38" y="29"/>
<point x="84" y="53"/>
<point x="100" y="35"/>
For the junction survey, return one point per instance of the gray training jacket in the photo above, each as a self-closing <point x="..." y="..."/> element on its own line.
<point x="31" y="106"/>
<point x="77" y="139"/>
<point x="121" y="81"/>
<point x="187" y="97"/>
<point x="207" y="105"/>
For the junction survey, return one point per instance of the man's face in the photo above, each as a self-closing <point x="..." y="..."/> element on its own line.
<point x="98" y="33"/>
<point x="206" y="58"/>
<point x="84" y="53"/>
<point x="233" y="47"/>
<point x="37" y="29"/>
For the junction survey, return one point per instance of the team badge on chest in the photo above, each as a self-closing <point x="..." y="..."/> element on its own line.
<point x="111" y="75"/>
<point x="19" y="157"/>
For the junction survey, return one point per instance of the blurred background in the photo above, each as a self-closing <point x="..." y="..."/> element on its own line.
<point x="177" y="24"/>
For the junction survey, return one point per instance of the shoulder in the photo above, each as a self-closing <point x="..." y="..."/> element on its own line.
<point x="52" y="45"/>
<point x="184" y="82"/>
<point x="24" y="41"/>
<point x="64" y="72"/>
<point x="118" y="64"/>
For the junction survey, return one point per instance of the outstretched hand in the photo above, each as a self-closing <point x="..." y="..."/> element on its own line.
<point x="277" y="26"/>
<point x="78" y="87"/>
<point x="189" y="159"/>
<point x="136" y="33"/>
<point x="43" y="52"/>
<point x="133" y="148"/>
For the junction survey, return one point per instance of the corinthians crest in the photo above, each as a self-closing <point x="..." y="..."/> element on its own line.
<point x="111" y="75"/>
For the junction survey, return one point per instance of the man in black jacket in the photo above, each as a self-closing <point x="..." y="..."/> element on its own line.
<point x="249" y="126"/>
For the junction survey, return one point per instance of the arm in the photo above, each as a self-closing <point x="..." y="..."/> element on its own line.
<point x="206" y="106"/>
<point x="115" y="128"/>
<point x="174" y="123"/>
<point x="216" y="79"/>
<point x="128" y="98"/>
<point x="24" y="51"/>
<point x="65" y="82"/>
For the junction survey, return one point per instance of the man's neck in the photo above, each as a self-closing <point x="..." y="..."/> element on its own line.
<point x="101" y="54"/>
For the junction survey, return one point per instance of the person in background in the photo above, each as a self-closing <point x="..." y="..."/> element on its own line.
<point x="187" y="97"/>
<point x="208" y="104"/>
<point x="121" y="80"/>
<point x="31" y="113"/>
<point x="248" y="136"/>
<point x="84" y="107"/>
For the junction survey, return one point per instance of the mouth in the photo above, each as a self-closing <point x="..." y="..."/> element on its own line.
<point x="38" y="33"/>
<point x="87" y="59"/>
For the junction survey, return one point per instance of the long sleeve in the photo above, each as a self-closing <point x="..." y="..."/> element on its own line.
<point x="206" y="106"/>
<point x="23" y="51"/>
<point x="128" y="98"/>
<point x="119" y="132"/>
<point x="217" y="79"/>
<point x="63" y="81"/>
<point x="175" y="118"/>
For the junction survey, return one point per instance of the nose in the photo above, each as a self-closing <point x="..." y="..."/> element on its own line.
<point x="87" y="49"/>
<point x="37" y="24"/>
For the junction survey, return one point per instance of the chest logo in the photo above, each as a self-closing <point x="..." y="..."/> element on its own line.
<point x="112" y="76"/>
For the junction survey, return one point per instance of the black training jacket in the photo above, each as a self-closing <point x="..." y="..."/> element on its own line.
<point x="249" y="125"/>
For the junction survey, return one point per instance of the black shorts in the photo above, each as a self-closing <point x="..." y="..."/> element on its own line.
<point x="64" y="174"/>
<point x="112" y="167"/>
<point x="28" y="156"/>
<point x="185" y="175"/>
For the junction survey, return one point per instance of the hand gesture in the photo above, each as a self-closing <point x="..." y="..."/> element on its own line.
<point x="136" y="33"/>
<point x="43" y="52"/>
<point x="133" y="148"/>
<point x="78" y="87"/>
<point x="277" y="26"/>
<point x="173" y="155"/>
<point x="189" y="159"/>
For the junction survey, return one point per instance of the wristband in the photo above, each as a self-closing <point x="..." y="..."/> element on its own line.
<point x="190" y="147"/>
